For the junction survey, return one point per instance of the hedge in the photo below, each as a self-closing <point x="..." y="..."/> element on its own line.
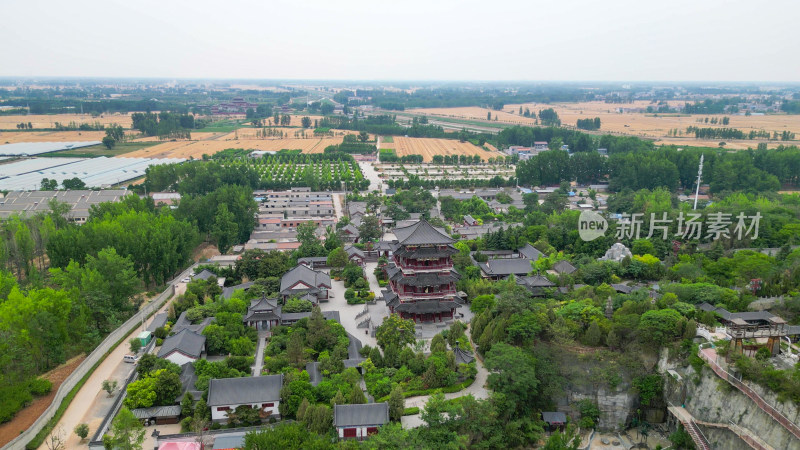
<point x="411" y="411"/>
<point x="444" y="390"/>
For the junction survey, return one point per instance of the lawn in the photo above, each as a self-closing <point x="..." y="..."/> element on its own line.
<point x="388" y="139"/>
<point x="100" y="150"/>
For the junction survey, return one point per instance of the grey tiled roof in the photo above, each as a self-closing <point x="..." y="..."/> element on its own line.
<point x="353" y="250"/>
<point x="185" y="341"/>
<point x="238" y="391"/>
<point x="157" y="411"/>
<point x="228" y="291"/>
<point x="506" y="266"/>
<point x="159" y="320"/>
<point x="530" y="252"/>
<point x="308" y="276"/>
<point x="535" y="281"/>
<point x="426" y="279"/>
<point x="427" y="306"/>
<point x="564" y="267"/>
<point x="360" y="415"/>
<point x="204" y="275"/>
<point x="420" y="233"/>
<point x="554" y="417"/>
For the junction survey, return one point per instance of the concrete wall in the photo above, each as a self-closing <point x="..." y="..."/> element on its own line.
<point x="86" y="366"/>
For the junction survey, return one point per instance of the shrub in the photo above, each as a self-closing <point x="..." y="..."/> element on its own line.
<point x="40" y="386"/>
<point x="411" y="411"/>
<point x="349" y="294"/>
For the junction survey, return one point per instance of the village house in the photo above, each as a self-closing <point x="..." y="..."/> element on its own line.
<point x="183" y="347"/>
<point x="262" y="393"/>
<point x="302" y="280"/>
<point x="359" y="421"/>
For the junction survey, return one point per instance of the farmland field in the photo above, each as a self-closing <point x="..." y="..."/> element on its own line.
<point x="315" y="171"/>
<point x="196" y="149"/>
<point x="428" y="147"/>
<point x="49" y="120"/>
<point x="10" y="137"/>
<point x="630" y="123"/>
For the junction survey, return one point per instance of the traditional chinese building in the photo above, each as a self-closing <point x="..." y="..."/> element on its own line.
<point x="422" y="280"/>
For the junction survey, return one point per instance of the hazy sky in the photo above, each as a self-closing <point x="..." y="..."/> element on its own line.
<point x="704" y="40"/>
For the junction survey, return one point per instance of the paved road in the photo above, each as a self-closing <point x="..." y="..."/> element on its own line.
<point x="369" y="172"/>
<point x="347" y="313"/>
<point x="477" y="389"/>
<point x="91" y="403"/>
<point x="262" y="342"/>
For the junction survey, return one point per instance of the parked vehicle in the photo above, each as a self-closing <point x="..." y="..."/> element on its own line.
<point x="130" y="358"/>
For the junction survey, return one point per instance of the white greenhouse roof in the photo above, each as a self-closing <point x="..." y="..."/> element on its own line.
<point x="37" y="148"/>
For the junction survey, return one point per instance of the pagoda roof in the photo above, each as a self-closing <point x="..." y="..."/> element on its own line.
<point x="426" y="252"/>
<point x="426" y="279"/>
<point x="422" y="233"/>
<point x="427" y="306"/>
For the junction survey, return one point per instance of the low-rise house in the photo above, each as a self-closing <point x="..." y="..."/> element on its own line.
<point x="349" y="233"/>
<point x="313" y="262"/>
<point x="302" y="280"/>
<point x="262" y="393"/>
<point x="470" y="221"/>
<point x="159" y="320"/>
<point x="183" y="347"/>
<point x="564" y="267"/>
<point x="263" y="313"/>
<point x="355" y="254"/>
<point x="158" y="415"/>
<point x="499" y="269"/>
<point x="359" y="421"/>
<point x="536" y="284"/>
<point x="530" y="252"/>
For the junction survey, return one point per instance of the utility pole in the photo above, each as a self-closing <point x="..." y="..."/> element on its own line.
<point x="699" y="175"/>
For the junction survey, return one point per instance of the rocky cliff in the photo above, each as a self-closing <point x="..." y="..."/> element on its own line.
<point x="714" y="400"/>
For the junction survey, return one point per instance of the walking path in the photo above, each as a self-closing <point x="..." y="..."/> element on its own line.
<point x="91" y="404"/>
<point x="262" y="342"/>
<point x="710" y="356"/>
<point x="369" y="172"/>
<point x="477" y="389"/>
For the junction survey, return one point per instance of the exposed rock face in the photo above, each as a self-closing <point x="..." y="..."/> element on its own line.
<point x="615" y="406"/>
<point x="713" y="401"/>
<point x="617" y="253"/>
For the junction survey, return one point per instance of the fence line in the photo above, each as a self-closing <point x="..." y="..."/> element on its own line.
<point x="766" y="407"/>
<point x="19" y="442"/>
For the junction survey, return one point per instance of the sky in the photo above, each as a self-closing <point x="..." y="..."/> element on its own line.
<point x="530" y="40"/>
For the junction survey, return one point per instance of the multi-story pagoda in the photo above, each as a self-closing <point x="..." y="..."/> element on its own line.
<point x="421" y="274"/>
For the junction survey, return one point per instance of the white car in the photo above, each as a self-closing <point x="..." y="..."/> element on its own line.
<point x="186" y="280"/>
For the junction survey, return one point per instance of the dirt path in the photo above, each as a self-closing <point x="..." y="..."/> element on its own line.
<point x="91" y="403"/>
<point x="26" y="416"/>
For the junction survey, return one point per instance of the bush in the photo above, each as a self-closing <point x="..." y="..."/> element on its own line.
<point x="411" y="411"/>
<point x="40" y="386"/>
<point x="355" y="301"/>
<point x="349" y="294"/>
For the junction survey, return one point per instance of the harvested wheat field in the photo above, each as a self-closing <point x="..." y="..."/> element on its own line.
<point x="476" y="113"/>
<point x="10" y="137"/>
<point x="49" y="120"/>
<point x="628" y="119"/>
<point x="288" y="133"/>
<point x="196" y="149"/>
<point x="297" y="120"/>
<point x="196" y="136"/>
<point x="428" y="147"/>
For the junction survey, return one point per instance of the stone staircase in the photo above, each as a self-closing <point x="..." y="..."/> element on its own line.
<point x="710" y="356"/>
<point x="690" y="426"/>
<point x="364" y="323"/>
